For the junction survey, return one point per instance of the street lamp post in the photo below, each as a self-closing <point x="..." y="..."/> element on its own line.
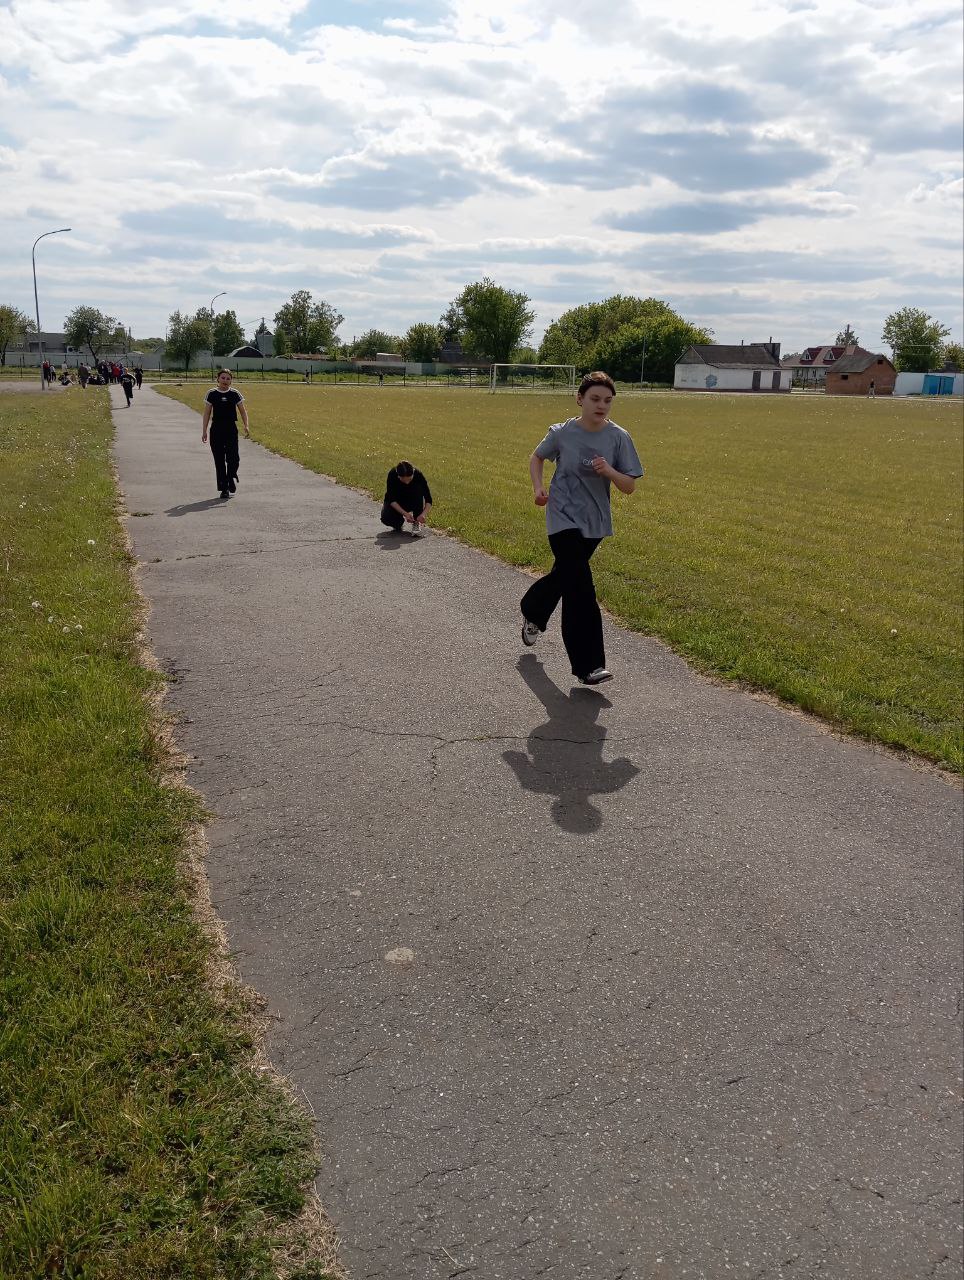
<point x="40" y="336"/>
<point x="213" y="301"/>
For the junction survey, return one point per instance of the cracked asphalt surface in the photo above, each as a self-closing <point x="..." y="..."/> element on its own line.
<point x="658" y="984"/>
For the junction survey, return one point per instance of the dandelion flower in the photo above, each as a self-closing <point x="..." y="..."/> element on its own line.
<point x="35" y="604"/>
<point x="91" y="542"/>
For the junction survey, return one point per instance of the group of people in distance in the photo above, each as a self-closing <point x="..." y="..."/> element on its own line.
<point x="590" y="452"/>
<point x="109" y="371"/>
<point x="103" y="374"/>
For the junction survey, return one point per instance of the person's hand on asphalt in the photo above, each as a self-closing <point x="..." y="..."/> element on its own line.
<point x="247" y="434"/>
<point x="204" y="437"/>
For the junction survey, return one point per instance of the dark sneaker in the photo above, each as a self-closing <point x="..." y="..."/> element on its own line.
<point x="530" y="632"/>
<point x="232" y="485"/>
<point x="599" y="676"/>
<point x="225" y="495"/>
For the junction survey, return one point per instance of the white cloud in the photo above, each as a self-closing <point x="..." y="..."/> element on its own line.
<point x="950" y="192"/>
<point x="783" y="158"/>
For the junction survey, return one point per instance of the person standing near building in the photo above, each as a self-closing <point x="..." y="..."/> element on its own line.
<point x="591" y="453"/>
<point x="223" y="404"/>
<point x="138" y="375"/>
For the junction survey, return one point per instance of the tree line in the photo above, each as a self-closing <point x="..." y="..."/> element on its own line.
<point x="634" y="339"/>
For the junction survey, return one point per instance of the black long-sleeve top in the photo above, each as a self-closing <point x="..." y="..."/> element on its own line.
<point x="414" y="494"/>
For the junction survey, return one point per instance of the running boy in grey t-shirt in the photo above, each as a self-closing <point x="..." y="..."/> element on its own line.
<point x="591" y="453"/>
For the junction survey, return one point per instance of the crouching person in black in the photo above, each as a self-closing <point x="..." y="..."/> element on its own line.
<point x="408" y="499"/>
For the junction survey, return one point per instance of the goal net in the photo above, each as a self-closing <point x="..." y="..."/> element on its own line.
<point x="533" y="377"/>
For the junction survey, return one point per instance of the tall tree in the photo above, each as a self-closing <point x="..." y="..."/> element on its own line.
<point x="651" y="347"/>
<point x="188" y="335"/>
<point x="611" y="335"/>
<point x="490" y="320"/>
<point x="916" y="339"/>
<point x="228" y="333"/>
<point x="90" y="328"/>
<point x="369" y="344"/>
<point x="954" y="356"/>
<point x="847" y="338"/>
<point x="14" y="325"/>
<point x="450" y="323"/>
<point x="422" y="342"/>
<point x="308" y="326"/>
<point x="572" y="338"/>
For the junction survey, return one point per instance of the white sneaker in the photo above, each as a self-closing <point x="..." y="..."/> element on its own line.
<point x="599" y="676"/>
<point x="530" y="632"/>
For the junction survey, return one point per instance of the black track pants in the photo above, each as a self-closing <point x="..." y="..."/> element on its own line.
<point x="570" y="580"/>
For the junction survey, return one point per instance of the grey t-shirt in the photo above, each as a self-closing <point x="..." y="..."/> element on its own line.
<point x="578" y="498"/>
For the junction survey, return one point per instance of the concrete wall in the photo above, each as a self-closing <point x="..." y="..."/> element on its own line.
<point x="701" y="377"/>
<point x="72" y="359"/>
<point x="912" y="384"/>
<point x="278" y="364"/>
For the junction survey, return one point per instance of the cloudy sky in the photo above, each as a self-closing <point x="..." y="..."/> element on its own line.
<point x="775" y="168"/>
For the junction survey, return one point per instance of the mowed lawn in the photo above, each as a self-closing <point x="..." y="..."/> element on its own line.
<point x="139" y="1138"/>
<point x="808" y="546"/>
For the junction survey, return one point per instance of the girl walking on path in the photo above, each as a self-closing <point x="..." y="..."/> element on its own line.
<point x="224" y="404"/>
<point x="590" y="454"/>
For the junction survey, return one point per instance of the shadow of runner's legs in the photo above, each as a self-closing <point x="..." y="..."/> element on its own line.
<point x="565" y="757"/>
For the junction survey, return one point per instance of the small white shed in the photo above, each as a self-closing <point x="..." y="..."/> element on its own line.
<point x="752" y="366"/>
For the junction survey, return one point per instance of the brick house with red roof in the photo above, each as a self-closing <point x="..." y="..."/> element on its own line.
<point x="811" y="366"/>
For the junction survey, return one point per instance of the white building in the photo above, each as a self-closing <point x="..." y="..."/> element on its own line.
<point x="753" y="366"/>
<point x="929" y="384"/>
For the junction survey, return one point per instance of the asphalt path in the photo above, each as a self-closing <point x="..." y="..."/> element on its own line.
<point x="663" y="981"/>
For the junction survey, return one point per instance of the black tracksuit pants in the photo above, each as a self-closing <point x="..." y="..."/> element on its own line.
<point x="395" y="519"/>
<point x="224" y="446"/>
<point x="570" y="580"/>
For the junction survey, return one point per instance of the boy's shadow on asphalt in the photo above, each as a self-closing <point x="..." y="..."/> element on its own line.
<point x="565" y="757"/>
<point x="188" y="507"/>
<point x="392" y="541"/>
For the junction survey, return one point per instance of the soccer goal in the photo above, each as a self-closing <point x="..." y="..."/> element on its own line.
<point x="533" y="377"/>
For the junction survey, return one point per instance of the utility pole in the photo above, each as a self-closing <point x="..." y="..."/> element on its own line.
<point x="40" y="336"/>
<point x="213" y="301"/>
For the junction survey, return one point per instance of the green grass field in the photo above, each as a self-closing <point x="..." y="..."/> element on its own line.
<point x="138" y="1137"/>
<point x="808" y="546"/>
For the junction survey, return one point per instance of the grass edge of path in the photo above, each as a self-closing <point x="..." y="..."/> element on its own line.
<point x="306" y="1246"/>
<point x="309" y="1239"/>
<point x="141" y="1125"/>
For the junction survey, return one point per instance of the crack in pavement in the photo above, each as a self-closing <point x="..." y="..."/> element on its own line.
<point x="259" y="551"/>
